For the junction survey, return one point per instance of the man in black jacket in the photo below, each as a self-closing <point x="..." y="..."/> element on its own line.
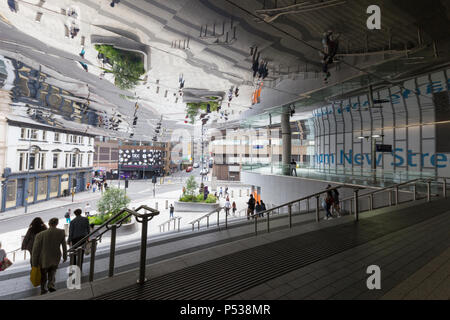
<point x="78" y="229"/>
<point x="251" y="206"/>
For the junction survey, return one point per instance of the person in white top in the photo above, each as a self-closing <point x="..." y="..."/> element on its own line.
<point x="87" y="209"/>
<point x="227" y="206"/>
<point x="2" y="253"/>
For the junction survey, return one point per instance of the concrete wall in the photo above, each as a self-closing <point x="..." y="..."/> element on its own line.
<point x="195" y="207"/>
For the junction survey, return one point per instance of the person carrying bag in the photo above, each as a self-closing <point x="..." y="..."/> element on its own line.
<point x="4" y="261"/>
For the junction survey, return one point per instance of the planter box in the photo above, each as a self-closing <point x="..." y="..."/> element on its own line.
<point x="195" y="206"/>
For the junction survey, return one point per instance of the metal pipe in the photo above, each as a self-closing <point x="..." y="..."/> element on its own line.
<point x="218" y="213"/>
<point x="256" y="225"/>
<point x="207" y="222"/>
<point x="415" y="192"/>
<point x="226" y="220"/>
<point x="428" y="191"/>
<point x="445" y="188"/>
<point x="356" y="205"/>
<point x="143" y="250"/>
<point x="112" y="251"/>
<point x="390" y="197"/>
<point x="290" y="215"/>
<point x="179" y="219"/>
<point x="317" y="208"/>
<point x="371" y="201"/>
<point x="92" y="266"/>
<point x="396" y="196"/>
<point x="79" y="258"/>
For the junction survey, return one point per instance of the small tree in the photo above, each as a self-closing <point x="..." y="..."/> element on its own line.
<point x="112" y="201"/>
<point x="191" y="186"/>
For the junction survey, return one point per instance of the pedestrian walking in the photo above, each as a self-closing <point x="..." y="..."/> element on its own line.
<point x="227" y="206"/>
<point x="336" y="207"/>
<point x="87" y="210"/>
<point x="78" y="229"/>
<point x="47" y="254"/>
<point x="251" y="207"/>
<point x="67" y="216"/>
<point x="293" y="168"/>
<point x="172" y="209"/>
<point x="328" y="203"/>
<point x="263" y="208"/>
<point x="36" y="226"/>
<point x="220" y="192"/>
<point x="258" y="209"/>
<point x="226" y="191"/>
<point x="83" y="52"/>
<point x="255" y="62"/>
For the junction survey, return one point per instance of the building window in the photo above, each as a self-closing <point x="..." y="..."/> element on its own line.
<point x="42" y="186"/>
<point x="54" y="184"/>
<point x="23" y="133"/>
<point x="80" y="140"/>
<point x="34" y="134"/>
<point x="44" y="135"/>
<point x="56" y="137"/>
<point x="22" y="157"/>
<point x="67" y="138"/>
<point x="11" y="191"/>
<point x="67" y="160"/>
<point x="41" y="164"/>
<point x="74" y="160"/>
<point x="55" y="160"/>
<point x="32" y="157"/>
<point x="89" y="160"/>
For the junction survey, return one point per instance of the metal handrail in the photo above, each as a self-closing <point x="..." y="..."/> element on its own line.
<point x="198" y="220"/>
<point x="393" y="187"/>
<point x="174" y="219"/>
<point x="14" y="254"/>
<point x="78" y="248"/>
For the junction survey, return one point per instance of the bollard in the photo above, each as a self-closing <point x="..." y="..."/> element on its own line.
<point x="428" y="191"/>
<point x="156" y="205"/>
<point x="445" y="188"/>
<point x="415" y="192"/>
<point x="232" y="193"/>
<point x="240" y="193"/>
<point x="167" y="204"/>
<point x="248" y="192"/>
<point x="179" y="224"/>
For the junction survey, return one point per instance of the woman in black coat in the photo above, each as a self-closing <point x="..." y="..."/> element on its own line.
<point x="36" y="226"/>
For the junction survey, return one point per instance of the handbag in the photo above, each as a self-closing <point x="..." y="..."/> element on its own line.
<point x="35" y="276"/>
<point x="6" y="263"/>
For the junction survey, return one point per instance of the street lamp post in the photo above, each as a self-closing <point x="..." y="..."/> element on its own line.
<point x="28" y="172"/>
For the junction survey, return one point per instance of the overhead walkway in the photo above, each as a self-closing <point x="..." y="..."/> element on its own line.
<point x="325" y="260"/>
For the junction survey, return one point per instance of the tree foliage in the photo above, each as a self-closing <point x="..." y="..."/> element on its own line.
<point x="192" y="109"/>
<point x="112" y="201"/>
<point x="191" y="186"/>
<point x="127" y="66"/>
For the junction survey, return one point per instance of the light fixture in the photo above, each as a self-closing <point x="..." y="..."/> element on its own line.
<point x="376" y="136"/>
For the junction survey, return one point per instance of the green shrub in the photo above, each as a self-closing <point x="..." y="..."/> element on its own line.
<point x="211" y="199"/>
